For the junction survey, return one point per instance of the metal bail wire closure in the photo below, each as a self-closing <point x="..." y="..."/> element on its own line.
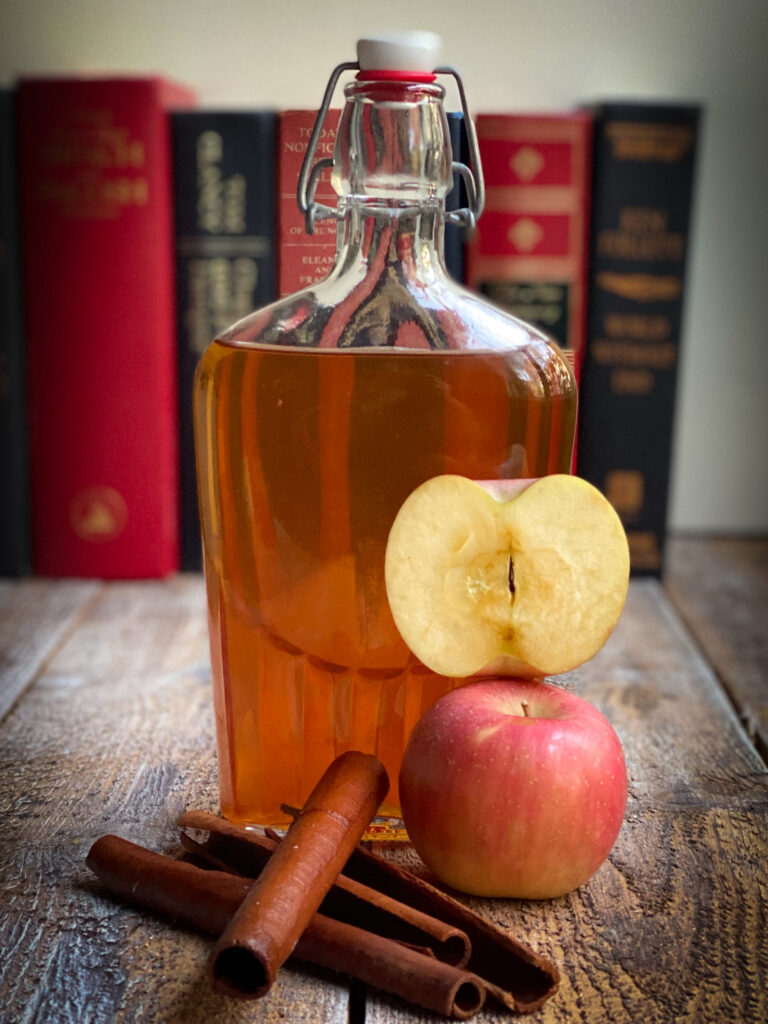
<point x="310" y="172"/>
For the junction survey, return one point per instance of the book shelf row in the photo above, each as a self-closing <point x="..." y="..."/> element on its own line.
<point x="136" y="227"/>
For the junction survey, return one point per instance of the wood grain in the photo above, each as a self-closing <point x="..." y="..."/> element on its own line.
<point x="673" y="927"/>
<point x="720" y="589"/>
<point x="116" y="735"/>
<point x="35" y="616"/>
<point x="114" y="732"/>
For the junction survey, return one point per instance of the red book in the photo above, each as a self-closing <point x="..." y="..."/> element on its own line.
<point x="529" y="253"/>
<point x="304" y="259"/>
<point x="96" y="216"/>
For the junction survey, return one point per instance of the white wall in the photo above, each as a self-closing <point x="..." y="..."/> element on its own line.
<point x="545" y="54"/>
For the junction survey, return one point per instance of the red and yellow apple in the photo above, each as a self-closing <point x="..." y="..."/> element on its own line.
<point x="524" y="578"/>
<point x="513" y="788"/>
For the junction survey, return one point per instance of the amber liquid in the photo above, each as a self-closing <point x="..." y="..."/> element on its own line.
<point x="304" y="458"/>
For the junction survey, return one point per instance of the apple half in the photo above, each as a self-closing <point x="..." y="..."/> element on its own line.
<point x="523" y="578"/>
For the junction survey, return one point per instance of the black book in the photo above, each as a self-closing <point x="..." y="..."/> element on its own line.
<point x="14" y="506"/>
<point x="644" y="160"/>
<point x="456" y="200"/>
<point x="225" y="200"/>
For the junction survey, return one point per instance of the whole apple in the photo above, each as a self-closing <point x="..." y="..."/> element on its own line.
<point x="513" y="788"/>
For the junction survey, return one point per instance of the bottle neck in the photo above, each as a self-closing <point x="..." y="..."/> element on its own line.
<point x="377" y="237"/>
<point x="392" y="172"/>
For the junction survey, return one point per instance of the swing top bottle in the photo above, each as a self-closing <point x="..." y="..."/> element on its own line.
<point x="316" y="416"/>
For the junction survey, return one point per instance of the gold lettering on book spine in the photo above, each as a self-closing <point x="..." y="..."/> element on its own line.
<point x="91" y="167"/>
<point x="644" y="551"/>
<point x="623" y="245"/>
<point x="632" y="382"/>
<point x="641" y="287"/>
<point x="627" y="353"/>
<point x="658" y="143"/>
<point x="625" y="489"/>
<point x="221" y="201"/>
<point x="220" y="291"/>
<point x="642" y="234"/>
<point x="637" y="325"/>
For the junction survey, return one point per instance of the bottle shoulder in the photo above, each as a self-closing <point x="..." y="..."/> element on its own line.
<point x="449" y="322"/>
<point x="394" y="313"/>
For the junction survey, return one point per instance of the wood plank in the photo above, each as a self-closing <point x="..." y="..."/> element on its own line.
<point x="116" y="735"/>
<point x="35" y="616"/>
<point x="720" y="589"/>
<point x="673" y="926"/>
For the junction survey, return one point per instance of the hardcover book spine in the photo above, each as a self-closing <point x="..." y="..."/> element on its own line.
<point x="644" y="161"/>
<point x="529" y="253"/>
<point x="455" y="257"/>
<point x="14" y="504"/>
<point x="304" y="259"/>
<point x="97" y="228"/>
<point x="225" y="192"/>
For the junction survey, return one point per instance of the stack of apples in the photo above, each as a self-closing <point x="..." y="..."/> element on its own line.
<point x="510" y="786"/>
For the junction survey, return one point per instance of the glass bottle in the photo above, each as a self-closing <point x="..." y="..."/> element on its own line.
<point x="316" y="416"/>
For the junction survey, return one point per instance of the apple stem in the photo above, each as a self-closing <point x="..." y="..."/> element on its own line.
<point x="526" y="712"/>
<point x="511" y="577"/>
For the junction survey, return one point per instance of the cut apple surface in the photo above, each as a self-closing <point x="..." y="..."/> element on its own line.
<point x="515" y="577"/>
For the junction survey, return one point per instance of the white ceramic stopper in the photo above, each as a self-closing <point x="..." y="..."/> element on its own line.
<point x="400" y="51"/>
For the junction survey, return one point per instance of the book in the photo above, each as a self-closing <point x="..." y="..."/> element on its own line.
<point x="304" y="259"/>
<point x="14" y="502"/>
<point x="97" y="228"/>
<point x="529" y="252"/>
<point x="226" y="259"/>
<point x="644" y="164"/>
<point x="454" y="246"/>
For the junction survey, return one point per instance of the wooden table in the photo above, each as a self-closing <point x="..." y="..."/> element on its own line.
<point x="107" y="726"/>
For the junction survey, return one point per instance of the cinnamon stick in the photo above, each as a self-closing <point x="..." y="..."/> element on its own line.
<point x="208" y="900"/>
<point x="268" y="924"/>
<point x="513" y="973"/>
<point x="232" y="848"/>
<point x="205" y="899"/>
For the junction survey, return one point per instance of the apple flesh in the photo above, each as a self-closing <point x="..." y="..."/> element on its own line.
<point x="513" y="788"/>
<point x="515" y="577"/>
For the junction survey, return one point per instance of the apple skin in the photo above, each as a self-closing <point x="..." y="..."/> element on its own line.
<point x="499" y="804"/>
